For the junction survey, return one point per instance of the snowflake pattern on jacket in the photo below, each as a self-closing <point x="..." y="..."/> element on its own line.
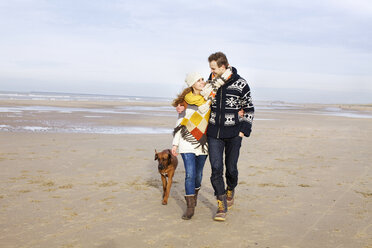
<point x="230" y="99"/>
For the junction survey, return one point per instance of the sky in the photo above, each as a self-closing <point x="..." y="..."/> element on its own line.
<point x="287" y="50"/>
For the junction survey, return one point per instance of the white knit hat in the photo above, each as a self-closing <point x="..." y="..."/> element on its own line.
<point x="192" y="78"/>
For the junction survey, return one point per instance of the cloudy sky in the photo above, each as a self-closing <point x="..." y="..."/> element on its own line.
<point x="313" y="51"/>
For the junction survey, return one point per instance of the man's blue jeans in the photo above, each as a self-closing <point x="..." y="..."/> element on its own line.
<point x="216" y="148"/>
<point x="194" y="171"/>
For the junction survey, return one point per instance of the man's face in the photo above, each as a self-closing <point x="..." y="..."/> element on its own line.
<point x="216" y="71"/>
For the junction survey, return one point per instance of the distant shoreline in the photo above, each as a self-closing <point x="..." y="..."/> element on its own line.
<point x="138" y="116"/>
<point x="81" y="97"/>
<point x="56" y="96"/>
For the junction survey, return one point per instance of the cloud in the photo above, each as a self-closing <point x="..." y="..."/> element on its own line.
<point x="317" y="44"/>
<point x="355" y="7"/>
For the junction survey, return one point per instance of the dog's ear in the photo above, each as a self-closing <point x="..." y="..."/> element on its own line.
<point x="156" y="155"/>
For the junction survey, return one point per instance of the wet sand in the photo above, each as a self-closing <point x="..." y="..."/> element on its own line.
<point x="305" y="180"/>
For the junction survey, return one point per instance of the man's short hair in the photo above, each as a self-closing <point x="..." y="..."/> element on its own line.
<point x="220" y="59"/>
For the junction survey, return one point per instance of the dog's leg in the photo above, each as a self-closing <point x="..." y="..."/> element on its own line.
<point x="169" y="185"/>
<point x="164" y="181"/>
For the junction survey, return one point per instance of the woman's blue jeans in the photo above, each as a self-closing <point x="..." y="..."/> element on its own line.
<point x="194" y="171"/>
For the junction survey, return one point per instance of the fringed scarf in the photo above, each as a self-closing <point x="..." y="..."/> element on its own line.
<point x="193" y="126"/>
<point x="210" y="90"/>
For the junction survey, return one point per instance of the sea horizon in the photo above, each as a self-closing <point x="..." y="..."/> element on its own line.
<point x="73" y="96"/>
<point x="78" y="96"/>
<point x="39" y="114"/>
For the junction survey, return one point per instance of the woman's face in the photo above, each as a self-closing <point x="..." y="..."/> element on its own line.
<point x="199" y="85"/>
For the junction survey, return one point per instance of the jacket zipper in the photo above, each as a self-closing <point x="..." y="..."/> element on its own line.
<point x="219" y="117"/>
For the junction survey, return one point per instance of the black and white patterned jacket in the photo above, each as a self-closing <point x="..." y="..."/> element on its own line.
<point x="233" y="96"/>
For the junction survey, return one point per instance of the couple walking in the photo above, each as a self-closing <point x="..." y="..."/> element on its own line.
<point x="214" y="116"/>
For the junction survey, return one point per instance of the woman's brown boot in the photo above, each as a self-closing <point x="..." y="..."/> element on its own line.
<point x="190" y="201"/>
<point x="196" y="196"/>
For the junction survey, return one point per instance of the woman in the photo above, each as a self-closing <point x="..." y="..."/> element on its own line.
<point x="190" y="133"/>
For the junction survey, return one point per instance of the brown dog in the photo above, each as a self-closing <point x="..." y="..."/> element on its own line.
<point x="167" y="164"/>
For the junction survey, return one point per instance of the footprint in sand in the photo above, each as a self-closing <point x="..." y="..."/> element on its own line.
<point x="67" y="186"/>
<point x="24" y="191"/>
<point x="365" y="194"/>
<point x="304" y="185"/>
<point x="107" y="184"/>
<point x="271" y="185"/>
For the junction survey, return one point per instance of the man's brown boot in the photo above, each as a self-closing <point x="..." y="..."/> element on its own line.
<point x="230" y="197"/>
<point x="221" y="209"/>
<point x="190" y="201"/>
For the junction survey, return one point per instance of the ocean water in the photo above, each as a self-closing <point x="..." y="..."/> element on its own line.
<point x="20" y="121"/>
<point x="52" y="96"/>
<point x="345" y="113"/>
<point x="87" y="129"/>
<point x="135" y="110"/>
<point x="89" y="122"/>
<point x="293" y="107"/>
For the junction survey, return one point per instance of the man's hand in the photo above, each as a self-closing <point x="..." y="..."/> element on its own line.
<point x="241" y="113"/>
<point x="241" y="134"/>
<point x="180" y="108"/>
<point x="174" y="150"/>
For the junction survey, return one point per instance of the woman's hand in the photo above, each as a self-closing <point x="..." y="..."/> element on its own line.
<point x="174" y="150"/>
<point x="180" y="108"/>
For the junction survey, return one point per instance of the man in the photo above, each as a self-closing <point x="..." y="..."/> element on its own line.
<point x="226" y="130"/>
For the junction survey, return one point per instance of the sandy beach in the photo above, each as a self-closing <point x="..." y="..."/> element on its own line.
<point x="305" y="179"/>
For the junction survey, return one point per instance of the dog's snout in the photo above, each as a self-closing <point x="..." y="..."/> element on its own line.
<point x="160" y="167"/>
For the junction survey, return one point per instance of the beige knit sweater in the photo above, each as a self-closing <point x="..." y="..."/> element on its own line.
<point x="183" y="145"/>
